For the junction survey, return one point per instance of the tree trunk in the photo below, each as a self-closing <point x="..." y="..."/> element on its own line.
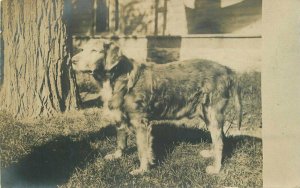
<point x="38" y="79"/>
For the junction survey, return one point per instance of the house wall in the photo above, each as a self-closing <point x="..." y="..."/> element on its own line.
<point x="136" y="17"/>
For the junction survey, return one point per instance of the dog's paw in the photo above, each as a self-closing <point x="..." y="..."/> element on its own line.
<point x="138" y="171"/>
<point x="206" y="153"/>
<point x="212" y="170"/>
<point x="113" y="156"/>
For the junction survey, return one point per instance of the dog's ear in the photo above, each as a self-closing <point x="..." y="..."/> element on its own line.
<point x="113" y="55"/>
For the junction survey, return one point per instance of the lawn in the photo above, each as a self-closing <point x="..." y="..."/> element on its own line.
<point x="68" y="150"/>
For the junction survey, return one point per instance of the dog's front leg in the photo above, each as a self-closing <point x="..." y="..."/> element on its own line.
<point x="121" y="143"/>
<point x="144" y="146"/>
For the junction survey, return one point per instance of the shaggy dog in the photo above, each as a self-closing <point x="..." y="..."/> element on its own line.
<point x="135" y="94"/>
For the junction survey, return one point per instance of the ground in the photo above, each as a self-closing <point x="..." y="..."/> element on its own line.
<point x="68" y="150"/>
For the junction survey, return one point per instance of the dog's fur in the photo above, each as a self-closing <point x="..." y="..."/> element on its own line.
<point x="135" y="93"/>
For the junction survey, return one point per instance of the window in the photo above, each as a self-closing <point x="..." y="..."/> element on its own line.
<point x="91" y="17"/>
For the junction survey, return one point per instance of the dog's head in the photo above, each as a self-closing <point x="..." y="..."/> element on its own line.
<point x="89" y="58"/>
<point x="104" y="61"/>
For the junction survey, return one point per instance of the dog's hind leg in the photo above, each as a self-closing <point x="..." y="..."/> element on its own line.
<point x="215" y="120"/>
<point x="121" y="143"/>
<point x="144" y="146"/>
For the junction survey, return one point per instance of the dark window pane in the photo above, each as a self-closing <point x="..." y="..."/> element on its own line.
<point x="102" y="17"/>
<point x="82" y="17"/>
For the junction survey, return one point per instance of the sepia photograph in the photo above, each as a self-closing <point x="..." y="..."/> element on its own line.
<point x="132" y="93"/>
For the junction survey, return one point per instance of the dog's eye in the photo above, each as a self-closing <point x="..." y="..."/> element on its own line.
<point x="93" y="50"/>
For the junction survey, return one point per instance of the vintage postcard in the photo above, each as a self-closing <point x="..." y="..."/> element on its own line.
<point x="158" y="93"/>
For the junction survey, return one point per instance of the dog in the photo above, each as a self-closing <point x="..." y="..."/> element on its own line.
<point x="135" y="94"/>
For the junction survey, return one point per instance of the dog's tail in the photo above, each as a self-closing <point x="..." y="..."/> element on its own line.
<point x="236" y="94"/>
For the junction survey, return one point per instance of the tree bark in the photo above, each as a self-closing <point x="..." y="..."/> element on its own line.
<point x="38" y="78"/>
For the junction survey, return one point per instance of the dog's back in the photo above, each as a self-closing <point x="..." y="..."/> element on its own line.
<point x="177" y="89"/>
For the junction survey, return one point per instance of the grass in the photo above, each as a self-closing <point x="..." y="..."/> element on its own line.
<point x="68" y="151"/>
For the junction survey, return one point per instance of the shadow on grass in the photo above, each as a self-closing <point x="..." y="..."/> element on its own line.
<point x="54" y="162"/>
<point x="167" y="137"/>
<point x="232" y="143"/>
